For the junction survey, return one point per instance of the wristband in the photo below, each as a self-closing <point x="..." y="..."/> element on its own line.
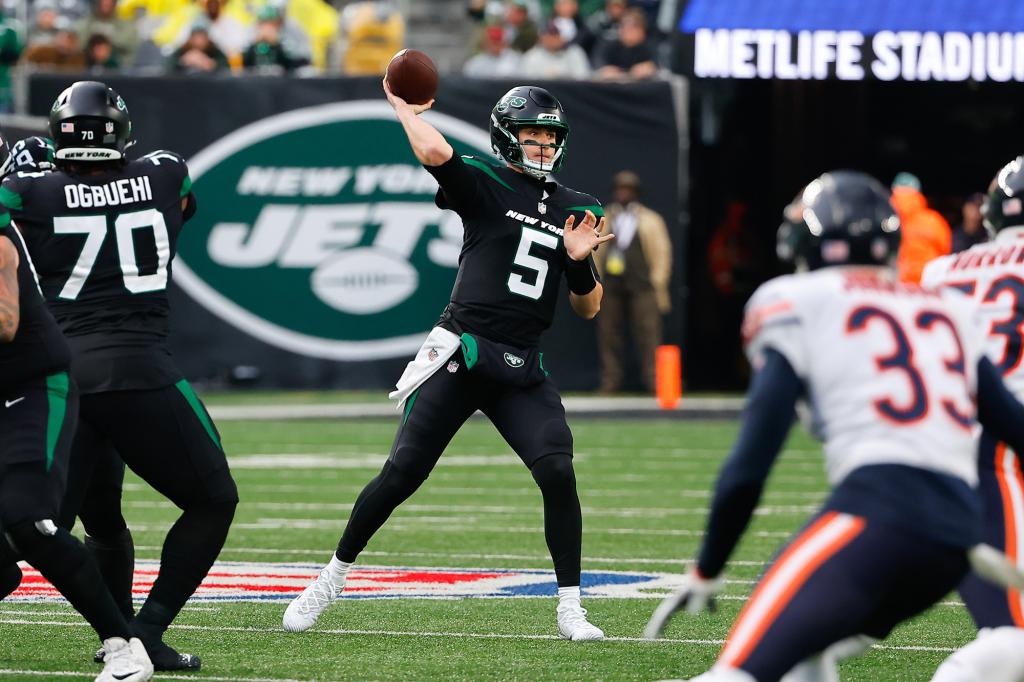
<point x="580" y="276"/>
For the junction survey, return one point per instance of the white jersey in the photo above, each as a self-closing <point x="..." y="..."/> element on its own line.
<point x="992" y="274"/>
<point x="889" y="369"/>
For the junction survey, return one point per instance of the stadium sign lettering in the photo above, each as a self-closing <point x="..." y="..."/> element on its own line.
<point x="318" y="233"/>
<point x="850" y="55"/>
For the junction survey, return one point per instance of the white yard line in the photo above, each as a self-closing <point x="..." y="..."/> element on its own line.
<point x="157" y="676"/>
<point x="456" y="635"/>
<point x="622" y="512"/>
<point x="397" y="527"/>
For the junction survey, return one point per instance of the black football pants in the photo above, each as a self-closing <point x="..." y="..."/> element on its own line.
<point x="166" y="437"/>
<point x="532" y="422"/>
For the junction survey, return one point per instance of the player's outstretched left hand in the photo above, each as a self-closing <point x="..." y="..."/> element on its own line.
<point x="581" y="239"/>
<point x="397" y="102"/>
<point x="694" y="596"/>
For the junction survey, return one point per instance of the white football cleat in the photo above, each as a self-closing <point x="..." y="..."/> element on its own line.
<point x="573" y="624"/>
<point x="125" y="661"/>
<point x="305" y="609"/>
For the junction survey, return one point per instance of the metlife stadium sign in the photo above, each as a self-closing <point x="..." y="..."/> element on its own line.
<point x="886" y="40"/>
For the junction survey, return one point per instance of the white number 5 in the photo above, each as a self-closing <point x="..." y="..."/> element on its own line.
<point x="516" y="283"/>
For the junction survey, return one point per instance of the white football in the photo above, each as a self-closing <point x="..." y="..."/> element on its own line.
<point x="364" y="281"/>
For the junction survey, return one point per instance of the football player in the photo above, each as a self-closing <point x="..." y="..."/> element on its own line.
<point x="524" y="232"/>
<point x="40" y="409"/>
<point x="102" y="232"/>
<point x="992" y="274"/>
<point x="895" y="377"/>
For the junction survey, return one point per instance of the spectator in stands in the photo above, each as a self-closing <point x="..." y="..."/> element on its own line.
<point x="267" y="53"/>
<point x="198" y="54"/>
<point x="64" y="53"/>
<point x="630" y="56"/>
<point x="44" y="26"/>
<point x="520" y="29"/>
<point x="552" y="58"/>
<point x="650" y="8"/>
<point x="10" y="51"/>
<point x="635" y="270"/>
<point x="566" y="15"/>
<point x="103" y="20"/>
<point x="374" y="32"/>
<point x="604" y="25"/>
<point x="229" y="26"/>
<point x="100" y="53"/>
<point x="925" y="233"/>
<point x="496" y="60"/>
<point x="971" y="230"/>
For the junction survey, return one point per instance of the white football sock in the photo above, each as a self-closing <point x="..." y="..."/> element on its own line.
<point x="569" y="595"/>
<point x="338" y="569"/>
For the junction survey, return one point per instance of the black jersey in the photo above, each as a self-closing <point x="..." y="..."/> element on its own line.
<point x="513" y="259"/>
<point x="102" y="245"/>
<point x="38" y="348"/>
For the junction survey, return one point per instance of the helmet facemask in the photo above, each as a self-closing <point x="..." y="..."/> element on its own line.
<point x="516" y="153"/>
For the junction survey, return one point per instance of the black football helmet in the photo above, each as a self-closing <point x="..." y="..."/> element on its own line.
<point x="1004" y="205"/>
<point x="89" y="122"/>
<point x="841" y="218"/>
<point x="32" y="154"/>
<point x="522" y="106"/>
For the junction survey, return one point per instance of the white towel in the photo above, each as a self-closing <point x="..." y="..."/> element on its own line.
<point x="440" y="345"/>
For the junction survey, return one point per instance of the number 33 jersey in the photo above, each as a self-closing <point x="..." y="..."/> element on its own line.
<point x="992" y="274"/>
<point x="102" y="245"/>
<point x="889" y="369"/>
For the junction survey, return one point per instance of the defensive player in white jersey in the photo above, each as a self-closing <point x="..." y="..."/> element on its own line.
<point x="992" y="274"/>
<point x="891" y="373"/>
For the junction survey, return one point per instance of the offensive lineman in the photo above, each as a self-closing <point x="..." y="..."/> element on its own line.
<point x="890" y="372"/>
<point x="102" y="232"/>
<point x="40" y="408"/>
<point x="992" y="275"/>
<point x="523" y="231"/>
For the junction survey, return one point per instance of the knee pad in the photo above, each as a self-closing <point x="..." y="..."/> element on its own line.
<point x="554" y="472"/>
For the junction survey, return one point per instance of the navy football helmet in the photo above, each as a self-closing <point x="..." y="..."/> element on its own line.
<point x="841" y="218"/>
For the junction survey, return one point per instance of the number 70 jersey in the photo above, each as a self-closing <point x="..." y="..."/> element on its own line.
<point x="889" y="369"/>
<point x="101" y="245"/>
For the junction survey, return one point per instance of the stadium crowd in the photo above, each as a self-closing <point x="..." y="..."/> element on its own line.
<point x="551" y="38"/>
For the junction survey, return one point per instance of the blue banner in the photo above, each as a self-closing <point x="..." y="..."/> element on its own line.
<point x="865" y="16"/>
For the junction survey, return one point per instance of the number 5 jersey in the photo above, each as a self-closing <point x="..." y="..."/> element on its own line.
<point x="101" y="245"/>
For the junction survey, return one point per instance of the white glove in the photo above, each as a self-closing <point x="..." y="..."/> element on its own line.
<point x="695" y="594"/>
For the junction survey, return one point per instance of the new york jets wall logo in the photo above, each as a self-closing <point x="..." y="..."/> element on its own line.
<point x="317" y="231"/>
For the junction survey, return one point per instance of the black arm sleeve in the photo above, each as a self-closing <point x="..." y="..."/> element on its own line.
<point x="767" y="417"/>
<point x="459" y="188"/>
<point x="998" y="410"/>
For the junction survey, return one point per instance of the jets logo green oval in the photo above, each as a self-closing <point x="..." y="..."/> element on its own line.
<point x="317" y="231"/>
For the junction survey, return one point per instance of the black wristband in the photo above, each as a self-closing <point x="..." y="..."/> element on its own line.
<point x="580" y="276"/>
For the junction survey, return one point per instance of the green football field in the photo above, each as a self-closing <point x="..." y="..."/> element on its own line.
<point x="644" y="486"/>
